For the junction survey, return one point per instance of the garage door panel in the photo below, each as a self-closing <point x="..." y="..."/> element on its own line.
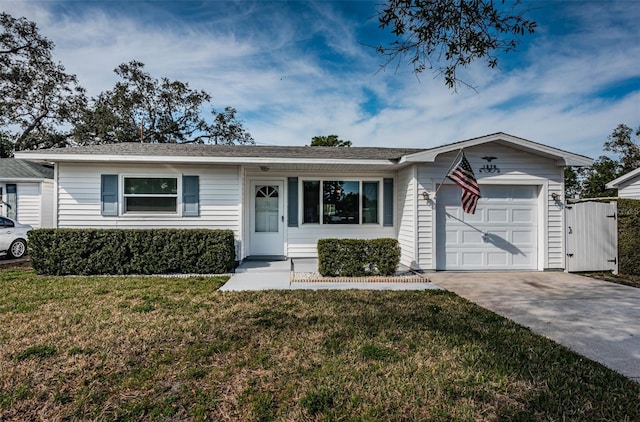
<point x="452" y="259"/>
<point x="471" y="237"/>
<point x="472" y="259"/>
<point x="497" y="215"/>
<point x="522" y="238"/>
<point x="522" y="216"/>
<point x="497" y="259"/>
<point x="523" y="258"/>
<point x="453" y="237"/>
<point x="502" y="234"/>
<point x="473" y="218"/>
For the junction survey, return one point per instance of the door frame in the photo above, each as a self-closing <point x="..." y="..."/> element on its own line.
<point x="259" y="181"/>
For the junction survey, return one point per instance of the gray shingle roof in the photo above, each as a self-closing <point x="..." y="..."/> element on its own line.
<point x="11" y="168"/>
<point x="244" y="151"/>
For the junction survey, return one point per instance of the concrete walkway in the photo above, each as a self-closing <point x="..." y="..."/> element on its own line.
<point x="598" y="319"/>
<point x="276" y="275"/>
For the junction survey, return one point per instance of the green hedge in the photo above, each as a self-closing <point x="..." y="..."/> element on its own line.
<point x="356" y="257"/>
<point x="123" y="251"/>
<point x="629" y="236"/>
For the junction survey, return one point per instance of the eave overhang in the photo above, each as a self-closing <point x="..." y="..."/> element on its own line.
<point x="562" y="158"/>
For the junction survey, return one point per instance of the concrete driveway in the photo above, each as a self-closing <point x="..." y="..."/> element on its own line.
<point x="598" y="319"/>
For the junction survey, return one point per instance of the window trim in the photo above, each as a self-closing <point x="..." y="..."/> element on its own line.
<point x="346" y="178"/>
<point x="122" y="196"/>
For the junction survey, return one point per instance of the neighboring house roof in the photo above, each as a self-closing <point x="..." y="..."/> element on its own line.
<point x="288" y="155"/>
<point x="628" y="177"/>
<point x="20" y="170"/>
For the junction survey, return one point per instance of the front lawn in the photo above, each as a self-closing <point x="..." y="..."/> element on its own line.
<point x="175" y="348"/>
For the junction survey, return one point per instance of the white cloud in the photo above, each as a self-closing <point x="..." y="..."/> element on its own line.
<point x="294" y="76"/>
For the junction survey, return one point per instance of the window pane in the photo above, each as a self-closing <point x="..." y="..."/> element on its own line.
<point x="150" y="204"/>
<point x="341" y="203"/>
<point x="311" y="202"/>
<point x="148" y="185"/>
<point x="369" y="202"/>
<point x="267" y="209"/>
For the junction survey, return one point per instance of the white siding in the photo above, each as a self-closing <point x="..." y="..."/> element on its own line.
<point x="28" y="198"/>
<point x="630" y="189"/>
<point x="406" y="216"/>
<point x="303" y="240"/>
<point x="79" y="197"/>
<point x="516" y="167"/>
<point x="425" y="218"/>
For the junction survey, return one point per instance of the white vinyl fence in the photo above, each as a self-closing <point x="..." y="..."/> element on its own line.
<point x="592" y="236"/>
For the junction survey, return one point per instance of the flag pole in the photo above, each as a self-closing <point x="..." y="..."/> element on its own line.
<point x="455" y="160"/>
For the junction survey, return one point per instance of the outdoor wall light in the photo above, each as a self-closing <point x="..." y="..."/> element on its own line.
<point x="425" y="195"/>
<point x="555" y="196"/>
<point x="264" y="168"/>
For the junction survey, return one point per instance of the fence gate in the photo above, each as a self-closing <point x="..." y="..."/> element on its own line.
<point x="592" y="236"/>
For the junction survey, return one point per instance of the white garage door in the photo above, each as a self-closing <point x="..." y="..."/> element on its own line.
<point x="501" y="235"/>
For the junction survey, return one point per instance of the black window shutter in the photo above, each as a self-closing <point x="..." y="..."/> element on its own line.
<point x="292" y="202"/>
<point x="190" y="196"/>
<point x="109" y="195"/>
<point x="387" y="209"/>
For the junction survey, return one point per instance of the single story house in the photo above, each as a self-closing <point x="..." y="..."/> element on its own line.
<point x="279" y="200"/>
<point x="26" y="192"/>
<point x="628" y="185"/>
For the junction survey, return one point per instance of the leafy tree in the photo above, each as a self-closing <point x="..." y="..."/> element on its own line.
<point x="603" y="170"/>
<point x="454" y="33"/>
<point x="6" y="147"/>
<point x="37" y="96"/>
<point x="591" y="182"/>
<point x="141" y="107"/>
<point x="226" y="129"/>
<point x="622" y="143"/>
<point x="329" y="141"/>
<point x="573" y="181"/>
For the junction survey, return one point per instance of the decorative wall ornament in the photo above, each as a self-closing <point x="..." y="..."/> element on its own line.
<point x="489" y="168"/>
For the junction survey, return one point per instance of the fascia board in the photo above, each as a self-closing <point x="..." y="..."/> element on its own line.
<point x="563" y="158"/>
<point x="23" y="180"/>
<point x="193" y="159"/>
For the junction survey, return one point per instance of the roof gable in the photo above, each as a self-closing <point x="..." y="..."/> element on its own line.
<point x="562" y="157"/>
<point x="625" y="178"/>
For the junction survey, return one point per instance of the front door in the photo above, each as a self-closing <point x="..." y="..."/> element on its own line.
<point x="267" y="218"/>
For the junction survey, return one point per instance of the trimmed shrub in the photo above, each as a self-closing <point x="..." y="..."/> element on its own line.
<point x="123" y="251"/>
<point x="357" y="257"/>
<point x="629" y="236"/>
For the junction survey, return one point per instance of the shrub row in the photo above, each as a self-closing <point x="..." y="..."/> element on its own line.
<point x="356" y="257"/>
<point x="123" y="251"/>
<point x="629" y="236"/>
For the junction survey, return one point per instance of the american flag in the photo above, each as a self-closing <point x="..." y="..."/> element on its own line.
<point x="462" y="175"/>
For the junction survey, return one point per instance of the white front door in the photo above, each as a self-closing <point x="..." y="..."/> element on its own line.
<point x="267" y="218"/>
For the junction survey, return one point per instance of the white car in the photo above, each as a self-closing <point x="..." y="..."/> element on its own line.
<point x="13" y="238"/>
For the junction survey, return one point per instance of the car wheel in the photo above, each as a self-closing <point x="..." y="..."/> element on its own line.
<point x="18" y="248"/>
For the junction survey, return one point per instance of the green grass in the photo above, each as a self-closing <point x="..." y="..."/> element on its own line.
<point x="176" y="348"/>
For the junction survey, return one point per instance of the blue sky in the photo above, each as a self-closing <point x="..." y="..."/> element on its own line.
<point x="294" y="70"/>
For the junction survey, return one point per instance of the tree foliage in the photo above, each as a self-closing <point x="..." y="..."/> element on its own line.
<point x="143" y="108"/>
<point x="37" y="97"/>
<point x="591" y="182"/>
<point x="443" y="35"/>
<point x="42" y="106"/>
<point x="622" y="143"/>
<point x="329" y="141"/>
